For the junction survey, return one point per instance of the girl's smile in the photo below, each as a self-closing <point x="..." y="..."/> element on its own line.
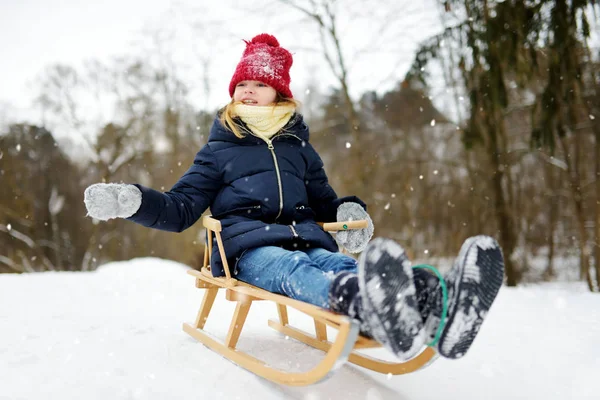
<point x="254" y="93"/>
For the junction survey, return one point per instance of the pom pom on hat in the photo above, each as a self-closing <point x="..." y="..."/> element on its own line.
<point x="265" y="61"/>
<point x="264" y="38"/>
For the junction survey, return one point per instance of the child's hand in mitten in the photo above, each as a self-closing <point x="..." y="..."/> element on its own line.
<point x="112" y="200"/>
<point x="354" y="240"/>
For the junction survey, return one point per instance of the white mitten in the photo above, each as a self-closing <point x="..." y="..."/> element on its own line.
<point x="112" y="200"/>
<point x="354" y="240"/>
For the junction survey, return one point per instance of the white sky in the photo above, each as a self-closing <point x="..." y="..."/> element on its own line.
<point x="37" y="33"/>
<point x="117" y="334"/>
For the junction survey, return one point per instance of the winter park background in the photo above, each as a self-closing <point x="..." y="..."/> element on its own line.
<point x="440" y="144"/>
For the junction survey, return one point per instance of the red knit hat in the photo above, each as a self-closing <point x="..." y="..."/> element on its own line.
<point x="265" y="61"/>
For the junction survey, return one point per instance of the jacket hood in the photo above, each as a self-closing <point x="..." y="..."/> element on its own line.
<point x="294" y="129"/>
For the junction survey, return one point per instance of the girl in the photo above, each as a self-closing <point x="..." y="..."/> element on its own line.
<point x="263" y="180"/>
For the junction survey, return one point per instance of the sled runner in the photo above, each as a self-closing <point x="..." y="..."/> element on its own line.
<point x="345" y="346"/>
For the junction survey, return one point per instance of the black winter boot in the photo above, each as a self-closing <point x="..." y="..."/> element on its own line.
<point x="472" y="285"/>
<point x="388" y="295"/>
<point x="345" y="298"/>
<point x="427" y="285"/>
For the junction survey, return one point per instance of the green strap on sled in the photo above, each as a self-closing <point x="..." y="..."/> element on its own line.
<point x="440" y="328"/>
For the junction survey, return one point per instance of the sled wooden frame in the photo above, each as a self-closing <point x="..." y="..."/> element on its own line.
<point x="343" y="348"/>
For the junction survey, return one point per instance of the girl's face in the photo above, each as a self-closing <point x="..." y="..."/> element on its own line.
<point x="254" y="93"/>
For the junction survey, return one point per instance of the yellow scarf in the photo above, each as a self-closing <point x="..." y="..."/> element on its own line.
<point x="264" y="121"/>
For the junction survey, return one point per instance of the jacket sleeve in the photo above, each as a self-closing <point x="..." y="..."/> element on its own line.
<point x="180" y="207"/>
<point x="321" y="197"/>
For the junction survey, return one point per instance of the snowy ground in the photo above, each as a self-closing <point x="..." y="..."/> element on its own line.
<point x="116" y="334"/>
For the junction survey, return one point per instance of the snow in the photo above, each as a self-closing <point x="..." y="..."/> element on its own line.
<point x="116" y="333"/>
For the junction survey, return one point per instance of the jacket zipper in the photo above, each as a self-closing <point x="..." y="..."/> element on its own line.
<point x="279" y="185"/>
<point x="293" y="231"/>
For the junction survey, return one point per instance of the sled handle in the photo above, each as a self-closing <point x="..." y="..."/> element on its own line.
<point x="344" y="225"/>
<point x="215" y="225"/>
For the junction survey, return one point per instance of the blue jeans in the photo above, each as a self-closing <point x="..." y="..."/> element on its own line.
<point x="301" y="275"/>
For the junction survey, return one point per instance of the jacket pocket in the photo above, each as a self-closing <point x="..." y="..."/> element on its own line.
<point x="302" y="213"/>
<point x="250" y="211"/>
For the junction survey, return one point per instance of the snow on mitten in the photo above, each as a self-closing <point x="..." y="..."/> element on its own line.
<point x="112" y="200"/>
<point x="354" y="240"/>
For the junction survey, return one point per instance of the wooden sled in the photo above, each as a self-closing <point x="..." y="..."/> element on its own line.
<point x="344" y="348"/>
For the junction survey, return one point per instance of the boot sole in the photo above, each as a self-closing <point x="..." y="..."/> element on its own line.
<point x="480" y="278"/>
<point x="389" y="301"/>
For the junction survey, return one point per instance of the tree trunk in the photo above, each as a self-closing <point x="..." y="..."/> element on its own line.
<point x="505" y="225"/>
<point x="597" y="208"/>
<point x="577" y="198"/>
<point x="551" y="180"/>
<point x="584" y="253"/>
<point x="592" y="109"/>
<point x="508" y="237"/>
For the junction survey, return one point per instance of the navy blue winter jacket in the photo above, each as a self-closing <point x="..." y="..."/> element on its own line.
<point x="263" y="193"/>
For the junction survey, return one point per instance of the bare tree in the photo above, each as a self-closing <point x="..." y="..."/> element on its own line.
<point x="335" y="23"/>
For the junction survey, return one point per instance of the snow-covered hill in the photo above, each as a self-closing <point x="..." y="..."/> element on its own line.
<point x="116" y="334"/>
